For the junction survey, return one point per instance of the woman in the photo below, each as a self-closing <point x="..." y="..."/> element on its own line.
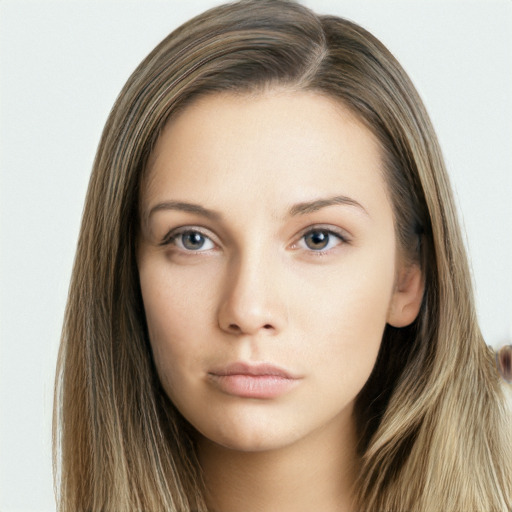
<point x="271" y="303"/>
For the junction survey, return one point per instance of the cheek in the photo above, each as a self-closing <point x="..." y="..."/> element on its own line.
<point x="353" y="296"/>
<point x="346" y="317"/>
<point x="178" y="312"/>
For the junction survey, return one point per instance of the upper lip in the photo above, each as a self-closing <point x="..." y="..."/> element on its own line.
<point x="256" y="370"/>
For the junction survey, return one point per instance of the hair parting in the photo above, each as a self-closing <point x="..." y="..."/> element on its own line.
<point x="433" y="423"/>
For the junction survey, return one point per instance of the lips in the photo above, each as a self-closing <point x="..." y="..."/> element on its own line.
<point x="263" y="381"/>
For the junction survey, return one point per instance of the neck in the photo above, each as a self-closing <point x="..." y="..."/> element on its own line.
<point x="315" y="473"/>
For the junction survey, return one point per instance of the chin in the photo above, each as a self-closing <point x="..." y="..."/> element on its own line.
<point x="249" y="442"/>
<point x="249" y="434"/>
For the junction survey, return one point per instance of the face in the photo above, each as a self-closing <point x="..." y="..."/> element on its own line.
<point x="268" y="265"/>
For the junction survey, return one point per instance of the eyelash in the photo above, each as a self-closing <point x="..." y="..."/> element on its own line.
<point x="342" y="239"/>
<point x="173" y="236"/>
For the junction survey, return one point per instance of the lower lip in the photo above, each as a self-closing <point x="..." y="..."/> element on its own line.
<point x="253" y="386"/>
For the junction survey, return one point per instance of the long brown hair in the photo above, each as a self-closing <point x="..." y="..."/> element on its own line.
<point x="432" y="417"/>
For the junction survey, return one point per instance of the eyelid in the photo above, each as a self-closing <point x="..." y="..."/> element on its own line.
<point x="328" y="228"/>
<point x="343" y="234"/>
<point x="173" y="233"/>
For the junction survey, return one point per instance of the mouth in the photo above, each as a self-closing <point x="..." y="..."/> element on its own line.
<point x="263" y="381"/>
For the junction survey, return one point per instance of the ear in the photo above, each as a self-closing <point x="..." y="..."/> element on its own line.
<point x="407" y="296"/>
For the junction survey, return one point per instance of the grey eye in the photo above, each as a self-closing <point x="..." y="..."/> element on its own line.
<point x="193" y="241"/>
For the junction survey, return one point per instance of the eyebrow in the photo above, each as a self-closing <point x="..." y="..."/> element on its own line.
<point x="297" y="209"/>
<point x="313" y="206"/>
<point x="184" y="207"/>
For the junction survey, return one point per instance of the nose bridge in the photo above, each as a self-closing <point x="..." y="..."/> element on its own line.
<point x="251" y="299"/>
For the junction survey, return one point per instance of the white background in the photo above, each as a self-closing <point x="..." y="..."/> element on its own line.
<point x="62" y="63"/>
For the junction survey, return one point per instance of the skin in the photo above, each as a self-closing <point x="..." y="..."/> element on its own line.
<point x="260" y="290"/>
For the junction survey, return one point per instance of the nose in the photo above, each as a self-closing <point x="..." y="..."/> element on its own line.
<point x="251" y="302"/>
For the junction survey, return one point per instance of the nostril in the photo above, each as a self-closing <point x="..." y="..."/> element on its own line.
<point x="237" y="329"/>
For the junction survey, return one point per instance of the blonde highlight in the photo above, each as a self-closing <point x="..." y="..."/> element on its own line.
<point x="432" y="437"/>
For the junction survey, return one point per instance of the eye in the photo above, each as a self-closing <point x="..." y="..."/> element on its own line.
<point x="191" y="240"/>
<point x="320" y="240"/>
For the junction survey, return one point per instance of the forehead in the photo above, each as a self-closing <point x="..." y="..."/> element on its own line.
<point x="275" y="145"/>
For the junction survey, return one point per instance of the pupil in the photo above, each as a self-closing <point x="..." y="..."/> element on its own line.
<point x="193" y="240"/>
<point x="317" y="239"/>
